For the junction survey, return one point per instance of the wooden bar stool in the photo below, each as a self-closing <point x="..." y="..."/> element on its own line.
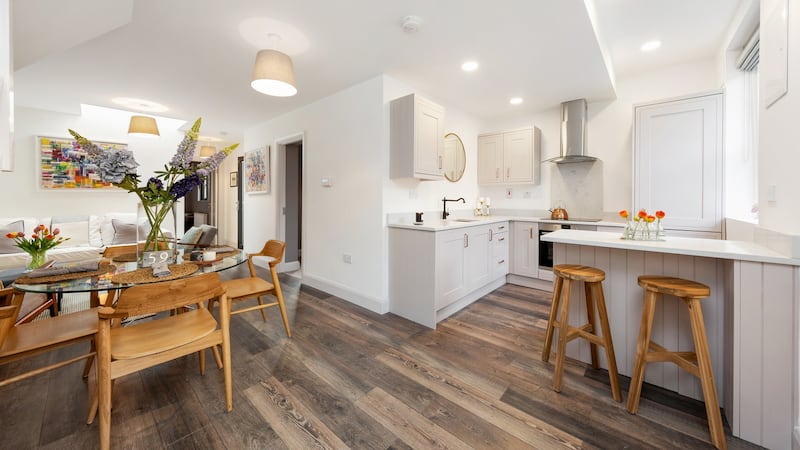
<point x="592" y="280"/>
<point x="698" y="363"/>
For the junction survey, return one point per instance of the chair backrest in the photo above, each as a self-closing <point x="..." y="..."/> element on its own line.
<point x="117" y="250"/>
<point x="274" y="249"/>
<point x="10" y="301"/>
<point x="167" y="295"/>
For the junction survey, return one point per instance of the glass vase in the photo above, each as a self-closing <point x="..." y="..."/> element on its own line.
<point x="155" y="233"/>
<point x="38" y="258"/>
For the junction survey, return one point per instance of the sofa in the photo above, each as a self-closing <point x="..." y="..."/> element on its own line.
<point x="89" y="236"/>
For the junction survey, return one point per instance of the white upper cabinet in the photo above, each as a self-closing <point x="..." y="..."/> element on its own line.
<point x="416" y="137"/>
<point x="678" y="161"/>
<point x="510" y="157"/>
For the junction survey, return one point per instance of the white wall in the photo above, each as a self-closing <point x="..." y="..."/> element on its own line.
<point x="344" y="141"/>
<point x="779" y="134"/>
<point x="608" y="138"/>
<point x="22" y="194"/>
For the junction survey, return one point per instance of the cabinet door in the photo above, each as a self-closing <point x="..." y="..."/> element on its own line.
<point x="477" y="258"/>
<point x="490" y="159"/>
<point x="518" y="156"/>
<point x="526" y="249"/>
<point x="428" y="138"/>
<point x="678" y="162"/>
<point x="450" y="274"/>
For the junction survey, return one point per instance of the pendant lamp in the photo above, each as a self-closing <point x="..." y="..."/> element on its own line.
<point x="143" y="126"/>
<point x="273" y="72"/>
<point x="207" y="151"/>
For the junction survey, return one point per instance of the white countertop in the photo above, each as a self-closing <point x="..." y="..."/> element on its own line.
<point x="462" y="222"/>
<point x="711" y="248"/>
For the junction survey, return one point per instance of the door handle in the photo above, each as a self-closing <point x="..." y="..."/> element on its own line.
<point x="491" y="234"/>
<point x="531" y="232"/>
<point x="466" y="240"/>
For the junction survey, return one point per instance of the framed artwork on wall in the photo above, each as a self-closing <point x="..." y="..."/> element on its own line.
<point x="62" y="165"/>
<point x="234" y="179"/>
<point x="774" y="64"/>
<point x="256" y="171"/>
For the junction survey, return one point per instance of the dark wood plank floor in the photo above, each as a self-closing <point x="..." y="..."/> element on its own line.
<point x="349" y="378"/>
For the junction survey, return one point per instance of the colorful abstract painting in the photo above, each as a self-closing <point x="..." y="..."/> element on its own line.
<point x="63" y="165"/>
<point x="256" y="171"/>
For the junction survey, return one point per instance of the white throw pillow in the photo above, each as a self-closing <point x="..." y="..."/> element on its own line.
<point x="77" y="232"/>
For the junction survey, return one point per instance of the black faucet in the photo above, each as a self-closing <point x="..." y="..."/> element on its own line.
<point x="444" y="205"/>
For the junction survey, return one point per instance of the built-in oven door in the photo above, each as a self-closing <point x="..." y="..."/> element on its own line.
<point x="545" y="251"/>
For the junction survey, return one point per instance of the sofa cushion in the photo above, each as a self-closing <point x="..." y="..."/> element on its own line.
<point x="190" y="238"/>
<point x="208" y="235"/>
<point x="124" y="232"/>
<point x="107" y="227"/>
<point x="95" y="238"/>
<point x="76" y="228"/>
<point x="8" y="245"/>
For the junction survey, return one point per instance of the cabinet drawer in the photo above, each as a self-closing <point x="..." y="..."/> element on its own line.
<point x="500" y="227"/>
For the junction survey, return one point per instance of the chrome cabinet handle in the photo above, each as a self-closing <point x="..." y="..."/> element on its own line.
<point x="502" y="227"/>
<point x="491" y="234"/>
<point x="466" y="240"/>
<point x="440" y="162"/>
<point x="531" y="232"/>
<point x="501" y="261"/>
<point x="502" y="239"/>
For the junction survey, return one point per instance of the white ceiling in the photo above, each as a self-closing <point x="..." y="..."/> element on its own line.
<point x="196" y="56"/>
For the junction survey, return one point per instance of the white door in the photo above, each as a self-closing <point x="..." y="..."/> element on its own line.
<point x="678" y="161"/>
<point x="490" y="159"/>
<point x="428" y="138"/>
<point x="518" y="156"/>
<point x="526" y="249"/>
<point x="450" y="276"/>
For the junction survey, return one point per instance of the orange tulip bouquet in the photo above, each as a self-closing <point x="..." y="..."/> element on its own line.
<point x="38" y="244"/>
<point x="643" y="226"/>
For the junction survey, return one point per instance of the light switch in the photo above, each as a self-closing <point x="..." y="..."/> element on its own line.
<point x="772" y="196"/>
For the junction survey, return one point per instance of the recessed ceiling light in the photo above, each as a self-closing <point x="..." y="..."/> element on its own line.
<point x="209" y="138"/>
<point x="139" y="104"/>
<point x="470" y="66"/>
<point x="649" y="46"/>
<point x="515" y="100"/>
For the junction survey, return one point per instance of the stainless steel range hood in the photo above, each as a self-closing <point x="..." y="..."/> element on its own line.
<point x="573" y="133"/>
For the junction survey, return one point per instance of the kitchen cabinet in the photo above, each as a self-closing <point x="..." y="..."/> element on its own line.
<point x="434" y="274"/>
<point x="526" y="249"/>
<point x="416" y="138"/>
<point x="510" y="157"/>
<point x="678" y="152"/>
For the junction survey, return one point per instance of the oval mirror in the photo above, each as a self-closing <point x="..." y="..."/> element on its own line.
<point x="454" y="157"/>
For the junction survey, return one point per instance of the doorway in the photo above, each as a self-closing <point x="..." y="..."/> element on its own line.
<point x="290" y="183"/>
<point x="239" y="203"/>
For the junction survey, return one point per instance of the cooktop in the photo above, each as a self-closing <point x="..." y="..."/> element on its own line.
<point x="575" y="219"/>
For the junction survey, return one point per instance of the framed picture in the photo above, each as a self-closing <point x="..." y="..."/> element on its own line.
<point x="256" y="171"/>
<point x="774" y="64"/>
<point x="63" y="165"/>
<point x="234" y="179"/>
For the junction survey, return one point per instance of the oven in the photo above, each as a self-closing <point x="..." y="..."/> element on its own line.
<point x="546" y="248"/>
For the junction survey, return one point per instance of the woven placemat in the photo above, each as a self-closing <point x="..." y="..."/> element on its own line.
<point x="142" y="276"/>
<point x="101" y="269"/>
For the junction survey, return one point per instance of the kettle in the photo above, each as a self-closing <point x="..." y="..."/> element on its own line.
<point x="558" y="212"/>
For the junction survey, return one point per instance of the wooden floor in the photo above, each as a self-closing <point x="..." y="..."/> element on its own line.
<point x="349" y="378"/>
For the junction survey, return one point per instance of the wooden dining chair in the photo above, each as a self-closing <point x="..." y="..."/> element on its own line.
<point x="34" y="304"/>
<point x="256" y="287"/>
<point x="34" y="338"/>
<point x="125" y="350"/>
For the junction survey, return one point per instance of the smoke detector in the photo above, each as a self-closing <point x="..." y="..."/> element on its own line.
<point x="411" y="24"/>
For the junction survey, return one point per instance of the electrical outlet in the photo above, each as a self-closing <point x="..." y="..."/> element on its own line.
<point x="347" y="258"/>
<point x="508" y="192"/>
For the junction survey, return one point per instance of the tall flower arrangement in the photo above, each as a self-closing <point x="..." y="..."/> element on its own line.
<point x="158" y="195"/>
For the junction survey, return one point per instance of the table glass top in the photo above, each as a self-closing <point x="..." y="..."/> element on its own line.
<point x="103" y="282"/>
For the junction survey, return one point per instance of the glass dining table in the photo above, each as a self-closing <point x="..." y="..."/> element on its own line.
<point x="115" y="279"/>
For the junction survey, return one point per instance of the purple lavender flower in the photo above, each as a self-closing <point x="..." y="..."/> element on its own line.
<point x="203" y="173"/>
<point x="155" y="184"/>
<point x="184" y="186"/>
<point x="185" y="153"/>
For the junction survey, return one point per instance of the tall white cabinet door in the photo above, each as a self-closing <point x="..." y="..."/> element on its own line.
<point x="526" y="249"/>
<point x="518" y="156"/>
<point x="450" y="275"/>
<point x="490" y="159"/>
<point x="477" y="258"/>
<point x="678" y="161"/>
<point x="429" y="138"/>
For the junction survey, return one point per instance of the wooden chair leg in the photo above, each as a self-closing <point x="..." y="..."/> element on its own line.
<point x="90" y="360"/>
<point x="201" y="356"/>
<point x="706" y="374"/>
<point x="588" y="295"/>
<point x="642" y="347"/>
<point x="563" y="328"/>
<point x="611" y="358"/>
<point x="225" y="322"/>
<point x="548" y="338"/>
<point x="263" y="313"/>
<point x="104" y="384"/>
<point x="282" y="306"/>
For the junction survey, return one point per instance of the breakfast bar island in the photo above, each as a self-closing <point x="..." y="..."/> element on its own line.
<point x="750" y="318"/>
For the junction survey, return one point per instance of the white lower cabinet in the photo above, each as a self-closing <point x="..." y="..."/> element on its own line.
<point x="434" y="274"/>
<point x="526" y="249"/>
